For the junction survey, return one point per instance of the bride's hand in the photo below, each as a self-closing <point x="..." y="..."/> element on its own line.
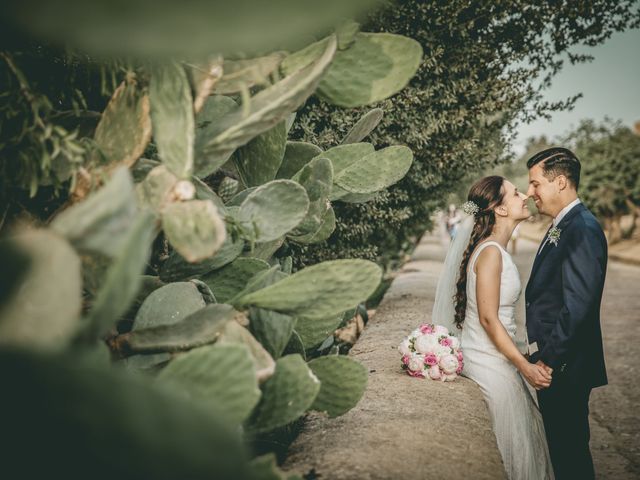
<point x="537" y="376"/>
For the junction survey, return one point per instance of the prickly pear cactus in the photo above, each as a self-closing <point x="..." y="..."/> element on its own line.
<point x="285" y="396"/>
<point x="364" y="126"/>
<point x="228" y="188"/>
<point x="343" y="381"/>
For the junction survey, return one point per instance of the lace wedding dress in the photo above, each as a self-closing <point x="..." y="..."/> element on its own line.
<point x="514" y="413"/>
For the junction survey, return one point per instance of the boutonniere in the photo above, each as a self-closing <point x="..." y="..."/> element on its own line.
<point x="554" y="235"/>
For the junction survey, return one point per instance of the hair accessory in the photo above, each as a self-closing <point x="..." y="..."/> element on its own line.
<point x="470" y="208"/>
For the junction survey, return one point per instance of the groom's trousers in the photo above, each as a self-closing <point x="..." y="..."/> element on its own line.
<point x="565" y="412"/>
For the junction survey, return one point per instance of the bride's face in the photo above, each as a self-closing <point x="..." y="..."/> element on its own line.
<point x="514" y="203"/>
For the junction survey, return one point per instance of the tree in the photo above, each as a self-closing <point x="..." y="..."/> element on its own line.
<point x="610" y="177"/>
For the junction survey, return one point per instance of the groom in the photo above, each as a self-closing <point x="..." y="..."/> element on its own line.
<point x="563" y="309"/>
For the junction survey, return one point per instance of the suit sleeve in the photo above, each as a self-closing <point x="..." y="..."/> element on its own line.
<point x="582" y="280"/>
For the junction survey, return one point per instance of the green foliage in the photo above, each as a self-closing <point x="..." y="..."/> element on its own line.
<point x="220" y="376"/>
<point x="50" y="405"/>
<point x="45" y="308"/>
<point x="610" y="177"/>
<point x="342" y="383"/>
<point x="285" y="396"/>
<point x="483" y="70"/>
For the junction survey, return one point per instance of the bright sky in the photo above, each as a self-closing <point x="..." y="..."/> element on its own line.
<point x="610" y="85"/>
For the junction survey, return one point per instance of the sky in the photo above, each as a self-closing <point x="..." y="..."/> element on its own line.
<point x="610" y="85"/>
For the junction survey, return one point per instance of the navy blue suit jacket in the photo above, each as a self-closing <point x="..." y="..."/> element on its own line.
<point x="563" y="299"/>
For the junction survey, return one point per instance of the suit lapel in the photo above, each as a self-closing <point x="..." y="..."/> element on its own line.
<point x="548" y="247"/>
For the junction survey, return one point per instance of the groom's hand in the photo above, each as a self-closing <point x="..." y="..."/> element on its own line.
<point x="545" y="366"/>
<point x="537" y="376"/>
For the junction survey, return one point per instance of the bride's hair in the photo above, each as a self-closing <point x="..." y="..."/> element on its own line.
<point x="487" y="193"/>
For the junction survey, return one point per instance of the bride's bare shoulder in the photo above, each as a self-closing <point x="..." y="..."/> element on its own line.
<point x="489" y="260"/>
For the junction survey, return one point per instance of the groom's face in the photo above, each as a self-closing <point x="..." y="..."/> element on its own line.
<point x="543" y="191"/>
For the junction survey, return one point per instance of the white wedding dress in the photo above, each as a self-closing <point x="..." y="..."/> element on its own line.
<point x="514" y="413"/>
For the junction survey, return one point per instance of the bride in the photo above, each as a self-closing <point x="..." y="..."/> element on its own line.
<point x="483" y="282"/>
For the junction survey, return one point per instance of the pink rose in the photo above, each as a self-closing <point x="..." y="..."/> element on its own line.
<point x="460" y="367"/>
<point x="405" y="359"/>
<point x="415" y="374"/>
<point x="434" y="373"/>
<point x="426" y="328"/>
<point x="431" y="359"/>
<point x="446" y="341"/>
<point x="459" y="355"/>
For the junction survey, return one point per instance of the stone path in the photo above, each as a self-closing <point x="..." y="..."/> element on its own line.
<point x="405" y="427"/>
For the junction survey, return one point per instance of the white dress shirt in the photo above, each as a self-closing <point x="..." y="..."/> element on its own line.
<point x="558" y="218"/>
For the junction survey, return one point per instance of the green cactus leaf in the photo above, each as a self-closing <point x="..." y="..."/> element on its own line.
<point x="260" y="280"/>
<point x="44" y="307"/>
<point x="107" y="414"/>
<point x="214" y="110"/>
<point x="313" y="331"/>
<point x="199" y="328"/>
<point x="146" y="363"/>
<point x="124" y="129"/>
<point x="296" y="156"/>
<point x="258" y="161"/>
<point x="142" y="167"/>
<point x="123" y="278"/>
<point x="358" y="197"/>
<point x="220" y="376"/>
<point x="376" y="171"/>
<point x="343" y="382"/>
<point x="265" y="250"/>
<point x="285" y="396"/>
<point x="172" y="117"/>
<point x="177" y="268"/>
<point x="266" y="467"/>
<point x="157" y="189"/>
<point x="168" y="305"/>
<point x="317" y="178"/>
<point x="271" y="329"/>
<point x="227" y="281"/>
<point x="203" y="78"/>
<point x="194" y="229"/>
<point x="273" y="209"/>
<point x="243" y="74"/>
<point x="295" y="345"/>
<point x="319" y="291"/>
<point x="364" y="126"/>
<point x="374" y="67"/>
<point x="203" y="192"/>
<point x="325" y="230"/>
<point x="228" y="188"/>
<point x="239" y="197"/>
<point x="343" y="156"/>
<point x="234" y="333"/>
<point x="269" y="106"/>
<point x="101" y="222"/>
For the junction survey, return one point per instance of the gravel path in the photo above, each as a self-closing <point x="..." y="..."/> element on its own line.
<point x="424" y="429"/>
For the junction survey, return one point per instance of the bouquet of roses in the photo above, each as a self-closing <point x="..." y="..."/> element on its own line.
<point x="431" y="351"/>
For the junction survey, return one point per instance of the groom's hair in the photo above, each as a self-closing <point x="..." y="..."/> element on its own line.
<point x="558" y="161"/>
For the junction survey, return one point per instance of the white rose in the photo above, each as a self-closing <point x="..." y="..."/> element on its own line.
<point x="449" y="377"/>
<point x="416" y="363"/>
<point x="442" y="350"/>
<point x="404" y="347"/>
<point x="440" y="330"/>
<point x="455" y="343"/>
<point x="449" y="364"/>
<point x="426" y="343"/>
<point x="434" y="372"/>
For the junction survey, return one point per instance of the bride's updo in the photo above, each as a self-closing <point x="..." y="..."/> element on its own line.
<point x="487" y="193"/>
